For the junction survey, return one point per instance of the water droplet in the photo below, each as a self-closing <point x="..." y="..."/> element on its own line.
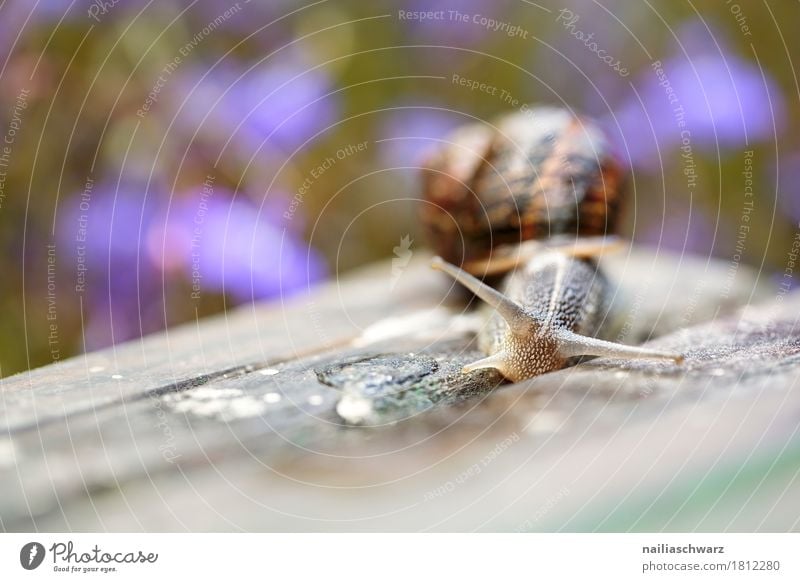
<point x="268" y="372"/>
<point x="378" y="374"/>
<point x="244" y="407"/>
<point x="315" y="400"/>
<point x="354" y="409"/>
<point x="272" y="397"/>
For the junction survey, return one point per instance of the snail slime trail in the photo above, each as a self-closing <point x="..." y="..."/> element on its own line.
<point x="538" y="200"/>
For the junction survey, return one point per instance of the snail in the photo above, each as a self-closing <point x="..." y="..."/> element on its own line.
<point x="536" y="199"/>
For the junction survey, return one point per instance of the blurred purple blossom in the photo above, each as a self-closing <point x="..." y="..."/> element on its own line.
<point x="247" y="18"/>
<point x="570" y="62"/>
<point x="134" y="249"/>
<point x="282" y="102"/>
<point x="446" y="29"/>
<point x="233" y="247"/>
<point x="725" y="99"/>
<point x="88" y="11"/>
<point x="103" y="231"/>
<point x="411" y="131"/>
<point x="51" y="11"/>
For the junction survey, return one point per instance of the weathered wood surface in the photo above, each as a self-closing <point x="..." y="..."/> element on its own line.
<point x="232" y="423"/>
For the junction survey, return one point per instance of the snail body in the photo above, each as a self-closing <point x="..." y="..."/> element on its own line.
<point x="537" y="200"/>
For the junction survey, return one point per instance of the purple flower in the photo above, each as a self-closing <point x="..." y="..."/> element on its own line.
<point x="720" y="98"/>
<point x="247" y="18"/>
<point x="102" y="230"/>
<point x="452" y="22"/>
<point x="226" y="244"/>
<point x="88" y="11"/>
<point x="53" y="11"/>
<point x="587" y="55"/>
<point x="409" y="132"/>
<point x="280" y="103"/>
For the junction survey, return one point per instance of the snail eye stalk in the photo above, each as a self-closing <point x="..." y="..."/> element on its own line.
<point x="519" y="320"/>
<point x="572" y="344"/>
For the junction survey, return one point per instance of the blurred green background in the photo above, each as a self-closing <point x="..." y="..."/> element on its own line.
<point x="163" y="161"/>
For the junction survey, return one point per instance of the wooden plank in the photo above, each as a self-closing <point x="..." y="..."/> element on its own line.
<point x="197" y="353"/>
<point x="653" y="298"/>
<point x="261" y="447"/>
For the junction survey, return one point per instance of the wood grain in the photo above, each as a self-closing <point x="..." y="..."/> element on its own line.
<point x="225" y="424"/>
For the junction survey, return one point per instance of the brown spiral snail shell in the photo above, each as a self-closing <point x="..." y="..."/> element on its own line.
<point x="535" y="197"/>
